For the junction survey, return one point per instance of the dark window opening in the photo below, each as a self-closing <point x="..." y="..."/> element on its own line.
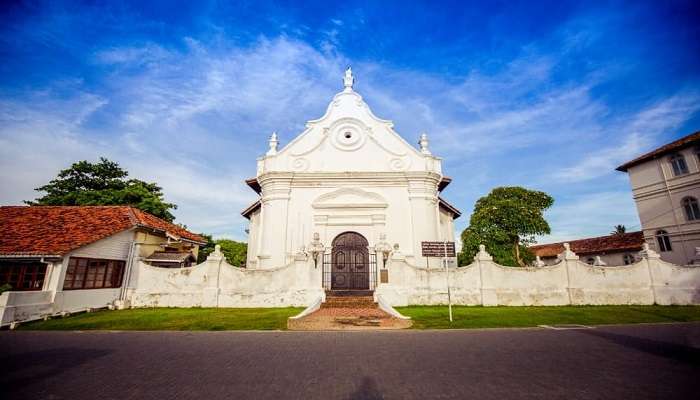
<point x="678" y="164"/>
<point x="22" y="275"/>
<point x="90" y="273"/>
<point x="663" y="240"/>
<point x="690" y="206"/>
<point x="628" y="259"/>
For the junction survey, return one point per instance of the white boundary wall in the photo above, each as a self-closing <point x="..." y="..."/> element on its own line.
<point x="570" y="282"/>
<point x="215" y="283"/>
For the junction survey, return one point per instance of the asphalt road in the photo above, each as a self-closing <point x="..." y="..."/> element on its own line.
<point x="622" y="362"/>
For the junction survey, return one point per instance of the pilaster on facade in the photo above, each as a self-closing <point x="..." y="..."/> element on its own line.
<point x="276" y="189"/>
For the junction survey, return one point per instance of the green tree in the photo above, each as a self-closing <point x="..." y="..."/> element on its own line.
<point x="205" y="250"/>
<point x="619" y="230"/>
<point x="235" y="252"/>
<point x="103" y="184"/>
<point x="506" y="221"/>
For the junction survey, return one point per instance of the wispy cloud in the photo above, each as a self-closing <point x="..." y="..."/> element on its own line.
<point x="628" y="139"/>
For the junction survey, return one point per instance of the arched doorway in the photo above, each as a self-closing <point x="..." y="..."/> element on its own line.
<point x="350" y="269"/>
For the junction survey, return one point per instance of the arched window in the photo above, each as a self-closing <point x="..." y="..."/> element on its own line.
<point x="590" y="261"/>
<point x="678" y="164"/>
<point x="628" y="259"/>
<point x="690" y="206"/>
<point x="664" y="240"/>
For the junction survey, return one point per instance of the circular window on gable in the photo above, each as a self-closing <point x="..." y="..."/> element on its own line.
<point x="348" y="136"/>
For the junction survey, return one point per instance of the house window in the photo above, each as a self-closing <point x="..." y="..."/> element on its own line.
<point x="628" y="259"/>
<point x="590" y="261"/>
<point x="90" y="273"/>
<point x="664" y="240"/>
<point x="690" y="206"/>
<point x="22" y="275"/>
<point x="678" y="164"/>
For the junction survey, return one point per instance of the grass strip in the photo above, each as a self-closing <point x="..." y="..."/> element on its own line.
<point x="465" y="317"/>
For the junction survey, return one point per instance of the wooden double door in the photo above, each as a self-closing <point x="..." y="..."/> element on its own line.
<point x="350" y="262"/>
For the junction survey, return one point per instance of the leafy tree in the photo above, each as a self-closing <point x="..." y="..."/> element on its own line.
<point x="103" y="184"/>
<point x="619" y="230"/>
<point x="506" y="221"/>
<point x="205" y="250"/>
<point x="235" y="252"/>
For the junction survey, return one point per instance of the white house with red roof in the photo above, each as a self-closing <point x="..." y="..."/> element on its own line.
<point x="65" y="259"/>
<point x="615" y="249"/>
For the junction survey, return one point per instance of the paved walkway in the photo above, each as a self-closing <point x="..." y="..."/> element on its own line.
<point x="348" y="313"/>
<point x="630" y="362"/>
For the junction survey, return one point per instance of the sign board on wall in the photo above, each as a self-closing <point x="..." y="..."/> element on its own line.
<point x="437" y="249"/>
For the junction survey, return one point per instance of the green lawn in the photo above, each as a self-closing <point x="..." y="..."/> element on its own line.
<point x="174" y="319"/>
<point x="436" y="317"/>
<point x="424" y="317"/>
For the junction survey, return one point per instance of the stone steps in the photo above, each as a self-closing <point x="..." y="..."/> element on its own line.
<point x="349" y="302"/>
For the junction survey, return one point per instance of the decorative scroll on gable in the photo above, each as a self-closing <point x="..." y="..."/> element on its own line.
<point x="350" y="198"/>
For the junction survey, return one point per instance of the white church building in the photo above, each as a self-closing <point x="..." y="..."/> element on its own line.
<point x="351" y="179"/>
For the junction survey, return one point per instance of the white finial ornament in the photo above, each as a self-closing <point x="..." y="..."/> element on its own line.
<point x="538" y="262"/>
<point x="348" y="80"/>
<point x="273" y="144"/>
<point x="423" y="142"/>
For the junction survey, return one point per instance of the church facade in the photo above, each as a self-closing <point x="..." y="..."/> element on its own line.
<point x="348" y="182"/>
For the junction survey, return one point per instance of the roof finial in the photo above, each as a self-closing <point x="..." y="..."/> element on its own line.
<point x="423" y="142"/>
<point x="348" y="80"/>
<point x="273" y="144"/>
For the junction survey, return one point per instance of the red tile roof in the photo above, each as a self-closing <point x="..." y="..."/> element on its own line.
<point x="56" y="230"/>
<point x="631" y="241"/>
<point x="692" y="139"/>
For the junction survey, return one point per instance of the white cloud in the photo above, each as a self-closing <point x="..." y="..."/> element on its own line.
<point x="637" y="136"/>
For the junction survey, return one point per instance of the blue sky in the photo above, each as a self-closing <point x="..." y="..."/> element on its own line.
<point x="550" y="95"/>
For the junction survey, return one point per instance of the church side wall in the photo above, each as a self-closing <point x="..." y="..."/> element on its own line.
<point x="253" y="240"/>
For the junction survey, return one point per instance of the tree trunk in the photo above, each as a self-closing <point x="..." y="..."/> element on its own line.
<point x="516" y="247"/>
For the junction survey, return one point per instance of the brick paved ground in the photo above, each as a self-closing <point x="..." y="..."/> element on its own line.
<point x="348" y="313"/>
<point x="630" y="362"/>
